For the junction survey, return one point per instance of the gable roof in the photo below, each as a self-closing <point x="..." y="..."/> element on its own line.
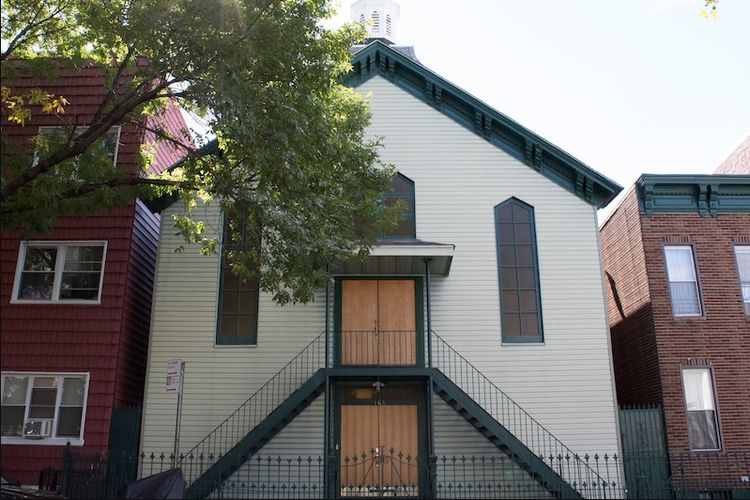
<point x="738" y="162"/>
<point x="378" y="58"/>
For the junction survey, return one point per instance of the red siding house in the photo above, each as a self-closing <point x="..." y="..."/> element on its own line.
<point x="76" y="303"/>
<point x="677" y="260"/>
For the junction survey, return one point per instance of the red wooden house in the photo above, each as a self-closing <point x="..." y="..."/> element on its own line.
<point x="76" y="305"/>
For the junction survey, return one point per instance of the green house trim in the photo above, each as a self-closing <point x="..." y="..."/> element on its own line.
<point x="701" y="194"/>
<point x="378" y="58"/>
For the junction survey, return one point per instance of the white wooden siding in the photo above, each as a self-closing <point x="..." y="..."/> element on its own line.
<point x="459" y="178"/>
<point x="295" y="455"/>
<point x="465" y="457"/>
<point x="217" y="378"/>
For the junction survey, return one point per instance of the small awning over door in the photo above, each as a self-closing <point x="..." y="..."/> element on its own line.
<point x="394" y="257"/>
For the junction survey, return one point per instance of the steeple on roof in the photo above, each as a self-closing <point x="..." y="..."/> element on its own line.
<point x="380" y="18"/>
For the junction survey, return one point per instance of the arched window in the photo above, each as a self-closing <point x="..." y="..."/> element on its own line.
<point x="402" y="188"/>
<point x="518" y="271"/>
<point x="388" y="25"/>
<point x="375" y="22"/>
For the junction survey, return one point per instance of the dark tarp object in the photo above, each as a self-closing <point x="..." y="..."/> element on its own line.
<point x="167" y="484"/>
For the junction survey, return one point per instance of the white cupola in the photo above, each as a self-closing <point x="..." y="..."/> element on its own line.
<point x="382" y="16"/>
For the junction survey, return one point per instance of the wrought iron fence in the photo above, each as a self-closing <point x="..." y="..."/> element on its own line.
<point x="583" y="478"/>
<point x="496" y="475"/>
<point x="257" y="407"/>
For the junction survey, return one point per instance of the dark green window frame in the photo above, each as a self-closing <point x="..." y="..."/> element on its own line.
<point x="402" y="188"/>
<point x="518" y="273"/>
<point x="237" y="313"/>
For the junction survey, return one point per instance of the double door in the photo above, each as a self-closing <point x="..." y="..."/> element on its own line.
<point x="379" y="448"/>
<point x="378" y="322"/>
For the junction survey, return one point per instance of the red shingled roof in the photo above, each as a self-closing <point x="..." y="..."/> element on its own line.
<point x="738" y="162"/>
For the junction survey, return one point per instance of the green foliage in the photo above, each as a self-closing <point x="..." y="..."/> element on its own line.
<point x="291" y="137"/>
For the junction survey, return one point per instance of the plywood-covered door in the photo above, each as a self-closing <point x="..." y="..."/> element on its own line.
<point x="379" y="448"/>
<point x="378" y="322"/>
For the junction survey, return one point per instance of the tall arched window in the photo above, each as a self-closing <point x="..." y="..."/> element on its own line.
<point x="388" y="25"/>
<point x="518" y="271"/>
<point x="375" y="23"/>
<point x="402" y="188"/>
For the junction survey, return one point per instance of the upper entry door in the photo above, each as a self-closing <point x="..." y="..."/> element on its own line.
<point x="378" y="323"/>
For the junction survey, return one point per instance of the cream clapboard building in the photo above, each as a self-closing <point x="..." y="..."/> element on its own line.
<point x="473" y="339"/>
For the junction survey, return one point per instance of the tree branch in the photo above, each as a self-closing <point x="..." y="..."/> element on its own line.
<point x="115" y="80"/>
<point x="21" y="36"/>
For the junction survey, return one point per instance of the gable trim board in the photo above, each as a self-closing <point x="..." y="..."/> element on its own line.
<point x="377" y="58"/>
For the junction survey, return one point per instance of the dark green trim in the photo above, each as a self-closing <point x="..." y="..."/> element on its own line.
<point x="386" y="238"/>
<point x="217" y="338"/>
<point x="418" y="305"/>
<point x="501" y="437"/>
<point x="701" y="194"/>
<point x="258" y="436"/>
<point x="544" y="157"/>
<point x="422" y="422"/>
<point x="520" y="339"/>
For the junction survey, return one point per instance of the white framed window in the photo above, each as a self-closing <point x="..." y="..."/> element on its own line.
<point x="110" y="140"/>
<point x="700" y="405"/>
<point x="54" y="271"/>
<point x="43" y="408"/>
<point x="742" y="255"/>
<point x="683" y="280"/>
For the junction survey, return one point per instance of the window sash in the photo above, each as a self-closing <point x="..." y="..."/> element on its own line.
<point x="61" y="276"/>
<point x="700" y="408"/>
<point x="742" y="256"/>
<point x="59" y="379"/>
<point x="111" y="136"/>
<point x="518" y="273"/>
<point x="683" y="280"/>
<point x="402" y="188"/>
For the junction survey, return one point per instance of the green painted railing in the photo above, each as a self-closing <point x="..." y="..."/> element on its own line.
<point x="583" y="478"/>
<point x="252" y="412"/>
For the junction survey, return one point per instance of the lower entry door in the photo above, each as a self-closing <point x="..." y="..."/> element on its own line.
<point x="379" y="449"/>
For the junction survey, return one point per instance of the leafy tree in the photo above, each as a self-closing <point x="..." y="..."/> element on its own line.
<point x="292" y="151"/>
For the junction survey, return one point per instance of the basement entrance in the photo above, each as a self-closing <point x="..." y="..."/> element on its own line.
<point x="379" y="322"/>
<point x="379" y="441"/>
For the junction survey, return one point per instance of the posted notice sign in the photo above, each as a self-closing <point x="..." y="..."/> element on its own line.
<point x="174" y="375"/>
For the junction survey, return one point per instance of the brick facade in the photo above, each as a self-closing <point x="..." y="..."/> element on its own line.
<point x="650" y="345"/>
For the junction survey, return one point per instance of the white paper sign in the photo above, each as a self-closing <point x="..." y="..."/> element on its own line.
<point x="174" y="373"/>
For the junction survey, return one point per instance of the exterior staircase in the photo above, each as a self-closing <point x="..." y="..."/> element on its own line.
<point x="495" y="415"/>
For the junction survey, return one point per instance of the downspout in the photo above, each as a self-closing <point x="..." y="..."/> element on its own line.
<point x="432" y="460"/>
<point x="327" y="402"/>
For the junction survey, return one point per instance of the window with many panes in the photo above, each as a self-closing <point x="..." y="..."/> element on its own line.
<point x="402" y="188"/>
<point x="518" y="269"/>
<point x="742" y="254"/>
<point x="46" y="406"/>
<point x="59" y="271"/>
<point x="683" y="280"/>
<point x="700" y="405"/>
<point x="238" y="299"/>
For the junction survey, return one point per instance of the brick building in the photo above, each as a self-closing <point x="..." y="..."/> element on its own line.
<point x="677" y="259"/>
<point x="76" y="303"/>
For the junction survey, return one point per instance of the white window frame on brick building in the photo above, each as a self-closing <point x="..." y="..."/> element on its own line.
<point x="742" y="257"/>
<point x="682" y="277"/>
<point x="700" y="408"/>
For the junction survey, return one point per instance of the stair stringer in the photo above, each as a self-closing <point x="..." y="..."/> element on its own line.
<point x="497" y="434"/>
<point x="257" y="437"/>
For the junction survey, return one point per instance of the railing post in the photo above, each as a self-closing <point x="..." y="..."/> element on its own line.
<point x="331" y="473"/>
<point x="67" y="469"/>
<point x="432" y="477"/>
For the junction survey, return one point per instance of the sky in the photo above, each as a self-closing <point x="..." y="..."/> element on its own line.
<point x="626" y="86"/>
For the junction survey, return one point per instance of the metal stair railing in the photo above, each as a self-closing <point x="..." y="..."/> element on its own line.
<point x="254" y="410"/>
<point x="571" y="467"/>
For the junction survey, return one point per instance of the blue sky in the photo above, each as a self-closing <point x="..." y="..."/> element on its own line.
<point x="628" y="86"/>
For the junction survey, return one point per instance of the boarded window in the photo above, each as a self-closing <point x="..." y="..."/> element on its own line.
<point x="520" y="301"/>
